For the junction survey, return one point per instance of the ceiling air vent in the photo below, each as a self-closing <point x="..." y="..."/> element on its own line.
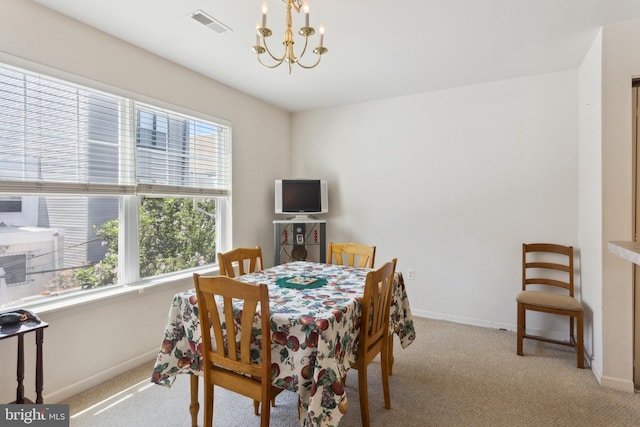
<point x="209" y="22"/>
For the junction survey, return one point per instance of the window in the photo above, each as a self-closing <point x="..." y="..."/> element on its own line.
<point x="11" y="204"/>
<point x="99" y="190"/>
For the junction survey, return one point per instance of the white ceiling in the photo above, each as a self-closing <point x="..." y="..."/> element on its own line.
<point x="377" y="48"/>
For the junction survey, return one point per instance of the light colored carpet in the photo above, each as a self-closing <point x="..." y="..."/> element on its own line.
<point x="452" y="375"/>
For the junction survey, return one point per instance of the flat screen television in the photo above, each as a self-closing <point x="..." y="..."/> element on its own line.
<point x="301" y="197"/>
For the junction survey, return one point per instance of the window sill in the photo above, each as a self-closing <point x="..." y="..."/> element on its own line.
<point x="60" y="303"/>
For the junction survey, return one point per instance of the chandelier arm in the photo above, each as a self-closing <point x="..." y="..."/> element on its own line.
<point x="276" y="64"/>
<point x="304" y="49"/>
<point x="275" y="58"/>
<point x="308" y="67"/>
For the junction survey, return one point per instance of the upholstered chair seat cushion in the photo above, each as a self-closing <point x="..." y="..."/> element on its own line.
<point x="549" y="300"/>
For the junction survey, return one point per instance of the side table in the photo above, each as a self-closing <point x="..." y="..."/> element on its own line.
<point x="19" y="330"/>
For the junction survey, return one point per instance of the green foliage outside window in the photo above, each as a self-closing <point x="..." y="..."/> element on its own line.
<point x="104" y="272"/>
<point x="175" y="234"/>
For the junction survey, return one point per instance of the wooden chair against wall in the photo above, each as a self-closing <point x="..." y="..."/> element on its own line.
<point x="550" y="267"/>
<point x="246" y="260"/>
<point x="351" y="254"/>
<point x="373" y="338"/>
<point x="227" y="360"/>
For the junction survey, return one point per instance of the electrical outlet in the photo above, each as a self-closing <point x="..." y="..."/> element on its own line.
<point x="410" y="273"/>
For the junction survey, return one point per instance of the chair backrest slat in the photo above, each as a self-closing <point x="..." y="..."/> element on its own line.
<point x="376" y="304"/>
<point x="356" y="255"/>
<point x="245" y="260"/>
<point x="547" y="264"/>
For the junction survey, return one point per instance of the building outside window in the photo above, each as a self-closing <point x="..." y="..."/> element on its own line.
<point x="11" y="204"/>
<point x="100" y="190"/>
<point x="14" y="269"/>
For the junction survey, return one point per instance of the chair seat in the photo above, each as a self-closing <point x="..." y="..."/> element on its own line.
<point x="549" y="300"/>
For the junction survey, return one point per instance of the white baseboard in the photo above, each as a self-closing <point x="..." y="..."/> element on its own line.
<point x="465" y="320"/>
<point x="59" y="396"/>
<point x="617" y="384"/>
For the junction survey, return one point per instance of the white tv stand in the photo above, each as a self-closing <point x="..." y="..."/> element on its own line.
<point x="289" y="246"/>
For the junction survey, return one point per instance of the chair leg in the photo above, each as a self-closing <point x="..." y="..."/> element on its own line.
<point x="571" y="328"/>
<point x="208" y="404"/>
<point x="256" y="405"/>
<point x="194" y="407"/>
<point x="386" y="369"/>
<point x="265" y="414"/>
<point x="521" y="326"/>
<point x="391" y="359"/>
<point x="580" y="340"/>
<point x="363" y="391"/>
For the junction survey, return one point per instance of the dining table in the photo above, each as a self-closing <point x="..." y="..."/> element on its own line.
<point x="315" y="322"/>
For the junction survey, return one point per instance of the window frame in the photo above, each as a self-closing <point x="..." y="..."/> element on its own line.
<point x="128" y="211"/>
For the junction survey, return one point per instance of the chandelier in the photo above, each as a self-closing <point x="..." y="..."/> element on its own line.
<point x="288" y="56"/>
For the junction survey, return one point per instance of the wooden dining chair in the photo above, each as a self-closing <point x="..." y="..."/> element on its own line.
<point x="546" y="268"/>
<point x="227" y="360"/>
<point x="351" y="254"/>
<point x="245" y="260"/>
<point x="373" y="338"/>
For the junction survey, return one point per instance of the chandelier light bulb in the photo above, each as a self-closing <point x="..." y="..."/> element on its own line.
<point x="264" y="14"/>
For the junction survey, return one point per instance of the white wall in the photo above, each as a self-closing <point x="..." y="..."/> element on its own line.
<point x="590" y="199"/>
<point x="452" y="183"/>
<point x="88" y="344"/>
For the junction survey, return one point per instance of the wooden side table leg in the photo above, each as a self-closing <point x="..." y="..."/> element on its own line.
<point x="39" y="370"/>
<point x="194" y="407"/>
<point x="20" y="370"/>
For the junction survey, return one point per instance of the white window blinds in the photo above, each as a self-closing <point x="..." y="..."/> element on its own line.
<point x="176" y="154"/>
<point x="56" y="137"/>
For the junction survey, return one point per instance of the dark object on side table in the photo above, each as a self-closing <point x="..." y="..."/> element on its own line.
<point x="26" y="322"/>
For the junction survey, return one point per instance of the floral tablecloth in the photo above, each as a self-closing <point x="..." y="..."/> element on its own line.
<point x="314" y="333"/>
